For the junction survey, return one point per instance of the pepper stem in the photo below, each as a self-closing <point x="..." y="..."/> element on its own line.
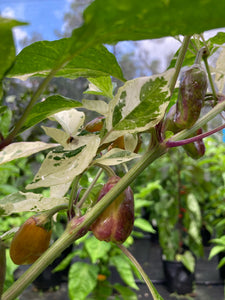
<point x="145" y="277"/>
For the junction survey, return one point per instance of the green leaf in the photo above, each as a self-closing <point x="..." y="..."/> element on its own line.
<point x="187" y="259"/>
<point x="126" y="293"/>
<point x="20" y="202"/>
<point x="215" y="250"/>
<point x="103" y="291"/>
<point x="143" y="225"/>
<point x="61" y="166"/>
<point x="132" y="20"/>
<point x="221" y="263"/>
<point x="11" y="267"/>
<point x="7" y="47"/>
<point x="124" y="269"/>
<point x="82" y="280"/>
<point x="219" y="241"/>
<point x="96" y="249"/>
<point x="9" y="234"/>
<point x="40" y="58"/>
<point x="116" y="156"/>
<point x="139" y="203"/>
<point x="67" y="260"/>
<point x="5" y="121"/>
<point x="22" y="149"/>
<point x="101" y="86"/>
<point x="50" y="106"/>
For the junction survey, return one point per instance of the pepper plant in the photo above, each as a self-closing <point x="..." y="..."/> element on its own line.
<point x="140" y="105"/>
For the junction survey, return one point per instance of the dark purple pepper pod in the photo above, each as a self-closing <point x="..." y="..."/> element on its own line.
<point x="192" y="90"/>
<point x="196" y="149"/>
<point x="116" y="222"/>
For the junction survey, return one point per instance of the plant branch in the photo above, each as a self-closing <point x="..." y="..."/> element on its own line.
<point x="200" y="123"/>
<point x="76" y="229"/>
<point x="72" y="195"/>
<point x="179" y="62"/>
<point x="171" y="144"/>
<point x="204" y="57"/>
<point x="82" y="200"/>
<point x="145" y="277"/>
<point x="23" y="118"/>
<point x="49" y="256"/>
<point x="2" y="266"/>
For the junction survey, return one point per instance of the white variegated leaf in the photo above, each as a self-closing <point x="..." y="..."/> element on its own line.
<point x="59" y="190"/>
<point x="130" y="141"/>
<point x="99" y="106"/>
<point x="20" y="202"/>
<point x="220" y="71"/>
<point x="61" y="166"/>
<point x="71" y="120"/>
<point x="116" y="156"/>
<point x="23" y="149"/>
<point x="56" y="134"/>
<point x="138" y="105"/>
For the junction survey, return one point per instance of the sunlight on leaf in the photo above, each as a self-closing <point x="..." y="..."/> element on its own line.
<point x="116" y="156"/>
<point x="20" y="202"/>
<point x="70" y="120"/>
<point x="22" y="149"/>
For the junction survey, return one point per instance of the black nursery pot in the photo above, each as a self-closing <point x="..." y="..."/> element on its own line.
<point x="221" y="269"/>
<point x="178" y="278"/>
<point x="47" y="279"/>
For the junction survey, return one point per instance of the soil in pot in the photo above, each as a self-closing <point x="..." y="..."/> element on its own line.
<point x="178" y="278"/>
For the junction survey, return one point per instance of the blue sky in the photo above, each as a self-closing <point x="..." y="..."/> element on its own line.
<point x="43" y="16"/>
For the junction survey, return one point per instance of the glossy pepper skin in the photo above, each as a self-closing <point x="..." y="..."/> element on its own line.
<point x="30" y="241"/>
<point x="95" y="124"/>
<point x="192" y="90"/>
<point x="116" y="222"/>
<point x="196" y="149"/>
<point x="120" y="143"/>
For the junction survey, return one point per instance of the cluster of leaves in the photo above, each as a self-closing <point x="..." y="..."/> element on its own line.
<point x="98" y="260"/>
<point x="184" y="194"/>
<point x="138" y="106"/>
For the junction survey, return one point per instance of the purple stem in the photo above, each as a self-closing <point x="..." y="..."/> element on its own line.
<point x="171" y="144"/>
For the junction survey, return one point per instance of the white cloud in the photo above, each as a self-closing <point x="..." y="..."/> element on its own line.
<point x="8" y="12"/>
<point x="19" y="33"/>
<point x="157" y="49"/>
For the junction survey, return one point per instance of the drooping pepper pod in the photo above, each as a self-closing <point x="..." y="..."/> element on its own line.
<point x="120" y="143"/>
<point x="196" y="149"/>
<point x="31" y="240"/>
<point x="169" y="123"/>
<point x="116" y="222"/>
<point x="192" y="90"/>
<point x="95" y="124"/>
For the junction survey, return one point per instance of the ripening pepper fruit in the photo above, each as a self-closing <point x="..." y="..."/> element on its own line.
<point x="192" y="90"/>
<point x="116" y="222"/>
<point x="120" y="143"/>
<point x="31" y="240"/>
<point x="196" y="149"/>
<point x="169" y="123"/>
<point x="95" y="124"/>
